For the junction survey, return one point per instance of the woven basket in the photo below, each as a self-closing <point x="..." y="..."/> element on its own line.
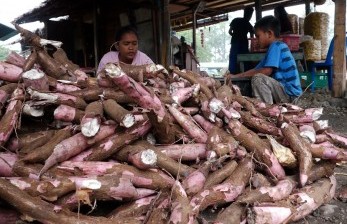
<point x="294" y="21"/>
<point x="316" y="24"/>
<point x="312" y="49"/>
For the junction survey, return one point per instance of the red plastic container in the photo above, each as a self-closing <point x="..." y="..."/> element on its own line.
<point x="292" y="40"/>
<point x="254" y="45"/>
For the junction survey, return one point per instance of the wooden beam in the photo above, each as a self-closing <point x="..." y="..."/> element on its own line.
<point x="258" y="9"/>
<point x="339" y="55"/>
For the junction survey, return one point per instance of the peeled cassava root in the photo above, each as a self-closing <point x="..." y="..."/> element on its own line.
<point x="139" y="144"/>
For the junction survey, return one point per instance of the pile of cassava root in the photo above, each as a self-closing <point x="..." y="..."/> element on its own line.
<point x="164" y="144"/>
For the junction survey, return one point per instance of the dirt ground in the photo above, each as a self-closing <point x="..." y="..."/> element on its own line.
<point x="335" y="110"/>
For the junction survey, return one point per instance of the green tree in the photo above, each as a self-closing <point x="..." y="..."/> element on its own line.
<point x="216" y="42"/>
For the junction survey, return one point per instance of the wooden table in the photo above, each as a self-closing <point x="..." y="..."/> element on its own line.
<point x="257" y="56"/>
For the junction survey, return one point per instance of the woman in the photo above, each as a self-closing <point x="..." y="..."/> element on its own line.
<point x="282" y="15"/>
<point x="126" y="50"/>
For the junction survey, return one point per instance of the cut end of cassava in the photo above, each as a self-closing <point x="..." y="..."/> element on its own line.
<point x="33" y="74"/>
<point x="33" y="111"/>
<point x="90" y="128"/>
<point x="212" y="117"/>
<point x="35" y="95"/>
<point x="284" y="125"/>
<point x="55" y="43"/>
<point x="91" y="184"/>
<point x="323" y="124"/>
<point x="128" y="120"/>
<point x="149" y="157"/>
<point x="309" y="135"/>
<point x="113" y="70"/>
<point x="317" y="113"/>
<point x="215" y="105"/>
<point x="151" y="139"/>
<point x="151" y="68"/>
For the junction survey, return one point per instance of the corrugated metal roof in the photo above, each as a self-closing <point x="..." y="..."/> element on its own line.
<point x="6" y="32"/>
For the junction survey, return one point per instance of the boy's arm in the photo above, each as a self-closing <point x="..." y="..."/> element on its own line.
<point x="266" y="71"/>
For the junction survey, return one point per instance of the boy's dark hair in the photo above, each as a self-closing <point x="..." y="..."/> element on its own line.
<point x="247" y="12"/>
<point x="268" y="23"/>
<point x="124" y="30"/>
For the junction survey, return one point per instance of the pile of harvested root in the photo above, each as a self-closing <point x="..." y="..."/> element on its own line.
<point x="142" y="144"/>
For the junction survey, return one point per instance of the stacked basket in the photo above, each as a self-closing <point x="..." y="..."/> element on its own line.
<point x="316" y="25"/>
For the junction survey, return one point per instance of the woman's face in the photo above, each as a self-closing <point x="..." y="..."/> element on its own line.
<point x="127" y="47"/>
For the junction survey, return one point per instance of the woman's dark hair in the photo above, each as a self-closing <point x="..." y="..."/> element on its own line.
<point x="268" y="23"/>
<point x="124" y="30"/>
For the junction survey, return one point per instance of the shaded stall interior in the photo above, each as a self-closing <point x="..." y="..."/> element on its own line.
<point x="89" y="28"/>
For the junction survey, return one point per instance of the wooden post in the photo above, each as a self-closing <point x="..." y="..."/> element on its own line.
<point x="307" y="7"/>
<point x="257" y="5"/>
<point x="96" y="28"/>
<point x="166" y="41"/>
<point x="339" y="55"/>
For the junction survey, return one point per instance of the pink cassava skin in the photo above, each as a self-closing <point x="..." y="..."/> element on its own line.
<point x="115" y="142"/>
<point x="301" y="147"/>
<point x="43" y="211"/>
<point x="187" y="124"/>
<point x="226" y="191"/>
<point x="74" y="145"/>
<point x="205" y="124"/>
<point x="41" y="153"/>
<point x="327" y="150"/>
<point x="9" y="216"/>
<point x="195" y="79"/>
<point x="253" y="143"/>
<point x="67" y="113"/>
<point x="131" y="154"/>
<point x="9" y="72"/>
<point x="30" y="141"/>
<point x="183" y="94"/>
<point x="9" y="120"/>
<point x="180" y="209"/>
<point x="15" y="59"/>
<point x="139" y="93"/>
<point x="184" y="152"/>
<point x="268" y="194"/>
<point x="135" y="208"/>
<point x="5" y="93"/>
<point x="49" y="189"/>
<point x="195" y="182"/>
<point x="111" y="187"/>
<point x="7" y="160"/>
<point x="297" y="205"/>
<point x="218" y="176"/>
<point x="338" y="139"/>
<point x="151" y="179"/>
<point x="259" y="124"/>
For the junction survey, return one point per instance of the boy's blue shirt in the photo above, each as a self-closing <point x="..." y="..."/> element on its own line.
<point x="281" y="60"/>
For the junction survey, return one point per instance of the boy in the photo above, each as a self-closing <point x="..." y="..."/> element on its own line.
<point x="275" y="79"/>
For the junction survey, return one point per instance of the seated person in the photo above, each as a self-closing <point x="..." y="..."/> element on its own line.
<point x="281" y="14"/>
<point x="126" y="50"/>
<point x="275" y="79"/>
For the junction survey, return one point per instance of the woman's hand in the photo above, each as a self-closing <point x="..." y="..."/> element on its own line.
<point x="227" y="77"/>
